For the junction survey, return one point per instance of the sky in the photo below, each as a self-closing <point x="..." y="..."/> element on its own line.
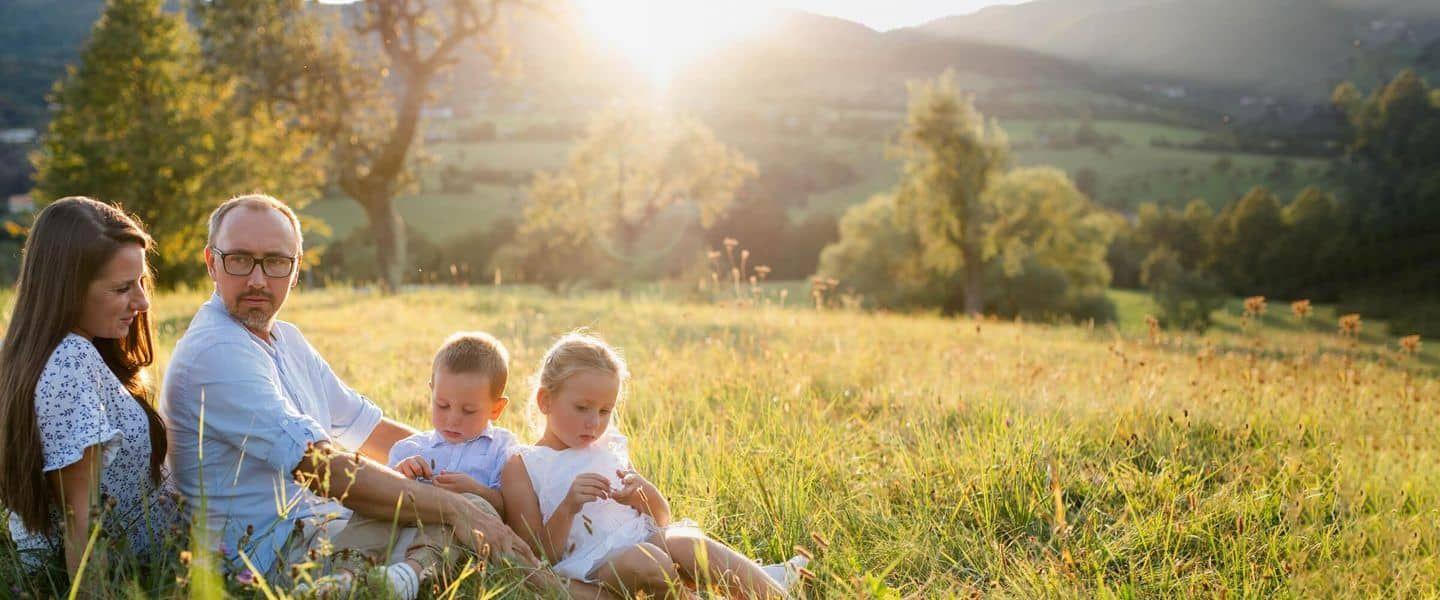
<point x="887" y="14"/>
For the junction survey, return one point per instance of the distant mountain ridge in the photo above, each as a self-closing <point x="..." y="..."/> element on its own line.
<point x="1222" y="56"/>
<point x="1292" y="48"/>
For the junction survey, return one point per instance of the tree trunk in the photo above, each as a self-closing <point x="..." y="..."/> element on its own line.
<point x="389" y="231"/>
<point x="974" y="280"/>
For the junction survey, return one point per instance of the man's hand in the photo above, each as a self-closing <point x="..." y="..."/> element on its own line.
<point x="415" y="467"/>
<point x="459" y="483"/>
<point x="488" y="534"/>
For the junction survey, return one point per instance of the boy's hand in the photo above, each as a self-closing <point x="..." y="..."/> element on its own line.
<point x="459" y="483"/>
<point x="415" y="467"/>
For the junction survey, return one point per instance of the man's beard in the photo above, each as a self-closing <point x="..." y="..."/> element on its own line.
<point x="257" y="319"/>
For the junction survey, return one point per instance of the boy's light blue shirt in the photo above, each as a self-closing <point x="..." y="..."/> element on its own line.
<point x="262" y="403"/>
<point x="481" y="457"/>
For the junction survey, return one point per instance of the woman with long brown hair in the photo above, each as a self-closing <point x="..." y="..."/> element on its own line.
<point x="81" y="439"/>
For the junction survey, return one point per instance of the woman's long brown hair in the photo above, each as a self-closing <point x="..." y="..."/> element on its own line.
<point x="71" y="241"/>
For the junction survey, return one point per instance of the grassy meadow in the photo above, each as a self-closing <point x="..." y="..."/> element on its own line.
<point x="924" y="457"/>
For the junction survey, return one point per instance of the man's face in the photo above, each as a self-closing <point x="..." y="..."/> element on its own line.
<point x="260" y="233"/>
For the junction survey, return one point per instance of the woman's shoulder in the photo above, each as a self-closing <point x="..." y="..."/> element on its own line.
<point x="73" y="357"/>
<point x="73" y="350"/>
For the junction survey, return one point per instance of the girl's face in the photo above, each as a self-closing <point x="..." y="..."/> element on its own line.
<point x="578" y="413"/>
<point x="116" y="296"/>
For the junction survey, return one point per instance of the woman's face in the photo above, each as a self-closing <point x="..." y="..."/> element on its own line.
<point x="116" y="296"/>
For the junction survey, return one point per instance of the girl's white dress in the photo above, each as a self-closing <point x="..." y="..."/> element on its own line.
<point x="602" y="526"/>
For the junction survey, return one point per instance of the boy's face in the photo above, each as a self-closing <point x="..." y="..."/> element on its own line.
<point x="461" y="405"/>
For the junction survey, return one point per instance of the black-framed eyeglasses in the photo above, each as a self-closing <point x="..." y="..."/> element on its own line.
<point x="242" y="265"/>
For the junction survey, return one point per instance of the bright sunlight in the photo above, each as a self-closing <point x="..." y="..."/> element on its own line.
<point x="659" y="35"/>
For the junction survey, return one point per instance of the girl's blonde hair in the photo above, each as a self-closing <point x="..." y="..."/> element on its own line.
<point x="572" y="353"/>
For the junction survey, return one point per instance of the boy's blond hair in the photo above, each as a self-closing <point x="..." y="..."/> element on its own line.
<point x="475" y="352"/>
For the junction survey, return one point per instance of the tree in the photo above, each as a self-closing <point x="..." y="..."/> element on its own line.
<point x="1392" y="172"/>
<point x="1185" y="297"/>
<point x="359" y="87"/>
<point x="951" y="156"/>
<point x="1043" y="255"/>
<point x="1043" y="221"/>
<point x="882" y="258"/>
<point x="142" y="125"/>
<point x="1243" y="242"/>
<point x="627" y="174"/>
<point x="1315" y="240"/>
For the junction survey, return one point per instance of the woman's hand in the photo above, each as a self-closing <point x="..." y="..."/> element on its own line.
<point x="587" y="487"/>
<point x="415" y="467"/>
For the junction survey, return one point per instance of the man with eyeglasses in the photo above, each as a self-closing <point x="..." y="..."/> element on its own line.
<point x="260" y="425"/>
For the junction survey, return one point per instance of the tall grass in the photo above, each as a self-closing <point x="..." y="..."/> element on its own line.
<point x="924" y="457"/>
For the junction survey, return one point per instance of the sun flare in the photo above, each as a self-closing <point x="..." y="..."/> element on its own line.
<point x="657" y="36"/>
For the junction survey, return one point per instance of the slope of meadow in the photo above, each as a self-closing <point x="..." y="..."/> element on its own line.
<point x="926" y="457"/>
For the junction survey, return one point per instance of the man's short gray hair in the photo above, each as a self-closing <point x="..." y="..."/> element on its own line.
<point x="260" y="201"/>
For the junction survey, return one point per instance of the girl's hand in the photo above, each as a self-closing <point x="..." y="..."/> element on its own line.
<point x="459" y="483"/>
<point x="415" y="467"/>
<point x="587" y="487"/>
<point x="630" y="483"/>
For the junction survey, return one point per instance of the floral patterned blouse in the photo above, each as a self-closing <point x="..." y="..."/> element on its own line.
<point x="79" y="403"/>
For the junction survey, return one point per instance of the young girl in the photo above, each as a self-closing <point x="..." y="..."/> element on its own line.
<point x="574" y="496"/>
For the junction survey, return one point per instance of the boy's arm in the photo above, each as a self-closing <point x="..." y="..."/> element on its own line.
<point x="461" y="483"/>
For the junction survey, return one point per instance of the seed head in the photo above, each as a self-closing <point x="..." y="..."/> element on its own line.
<point x="1301" y="308"/>
<point x="1254" y="306"/>
<point x="1350" y="325"/>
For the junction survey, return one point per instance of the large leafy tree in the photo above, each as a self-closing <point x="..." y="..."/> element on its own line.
<point x="951" y="156"/>
<point x="1243" y="241"/>
<point x="141" y="124"/>
<point x="1042" y="252"/>
<point x="633" y="169"/>
<point x="1393" y="179"/>
<point x="358" y="83"/>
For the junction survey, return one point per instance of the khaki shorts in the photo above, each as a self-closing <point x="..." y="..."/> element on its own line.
<point x="363" y="542"/>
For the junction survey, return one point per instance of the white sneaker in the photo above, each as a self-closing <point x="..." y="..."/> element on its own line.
<point x="786" y="574"/>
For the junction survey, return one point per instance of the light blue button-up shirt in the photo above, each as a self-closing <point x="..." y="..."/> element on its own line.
<point x="481" y="458"/>
<point x="261" y="404"/>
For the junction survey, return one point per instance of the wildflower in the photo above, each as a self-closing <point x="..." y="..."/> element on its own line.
<point x="713" y="254"/>
<point x="185" y="557"/>
<point x="1350" y="325"/>
<point x="762" y="271"/>
<point x="1410" y="344"/>
<point x="1301" y="309"/>
<point x="731" y="243"/>
<point x="245" y="577"/>
<point x="1254" y="306"/>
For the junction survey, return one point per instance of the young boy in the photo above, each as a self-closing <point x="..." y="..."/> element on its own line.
<point x="464" y="453"/>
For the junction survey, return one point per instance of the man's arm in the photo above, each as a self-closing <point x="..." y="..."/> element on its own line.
<point x="375" y="491"/>
<point x="382" y="439"/>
